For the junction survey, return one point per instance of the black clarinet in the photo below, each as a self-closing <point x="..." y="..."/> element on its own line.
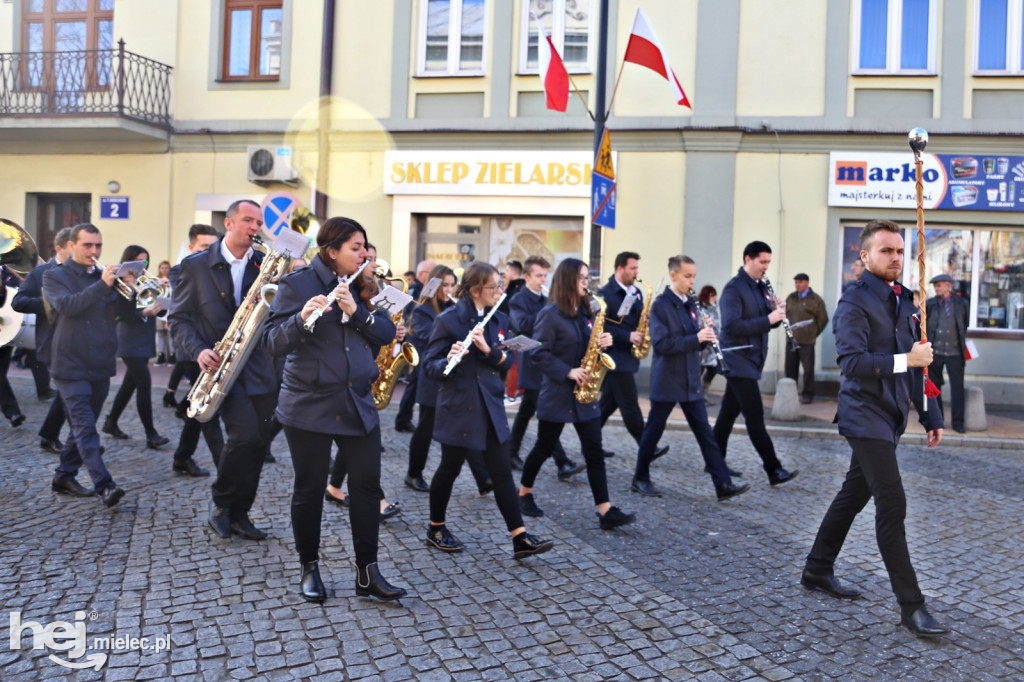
<point x="706" y="323"/>
<point x="785" y="320"/>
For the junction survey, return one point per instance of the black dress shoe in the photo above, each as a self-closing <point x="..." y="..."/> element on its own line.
<point x="189" y="467"/>
<point x="370" y="583"/>
<point x="54" y="446"/>
<point x="959" y="429"/>
<point x="181" y="411"/>
<point x="781" y="475"/>
<point x="244" y="527"/>
<point x="828" y="584"/>
<point x="528" y="506"/>
<point x="525" y="544"/>
<point x="607" y="454"/>
<point x="70" y="487"/>
<point x="660" y="452"/>
<point x="17" y="420"/>
<point x="615" y="517"/>
<point x="645" y="488"/>
<point x="112" y="495"/>
<point x="732" y="472"/>
<point x="922" y="624"/>
<point x="417" y="484"/>
<point x="516" y="463"/>
<point x="220" y="521"/>
<point x="485" y="487"/>
<point x="169" y="400"/>
<point x="111" y="428"/>
<point x="310" y="585"/>
<point x="340" y="501"/>
<point x="269" y="458"/>
<point x="47" y="394"/>
<point x="727" y="490"/>
<point x="405" y="427"/>
<point x="155" y="440"/>
<point x="442" y="538"/>
<point x="570" y="469"/>
<point x="393" y="509"/>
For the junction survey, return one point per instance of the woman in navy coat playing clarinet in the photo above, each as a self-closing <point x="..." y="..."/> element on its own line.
<point x="470" y="413"/>
<point x="564" y="328"/>
<point x="326" y="399"/>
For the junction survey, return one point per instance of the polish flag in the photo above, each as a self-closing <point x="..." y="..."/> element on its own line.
<point x="552" y="72"/>
<point x="645" y="49"/>
<point x="972" y="351"/>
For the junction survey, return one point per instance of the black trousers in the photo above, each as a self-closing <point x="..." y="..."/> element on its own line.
<point x="182" y="369"/>
<point x="528" y="408"/>
<point x="8" y="401"/>
<point x="589" y="433"/>
<point x="696" y="414"/>
<point x="54" y="421"/>
<point x="136" y="380"/>
<point x="311" y="459"/>
<point x="247" y="422"/>
<point x="419" y="449"/>
<point x="619" y="392"/>
<point x="40" y="373"/>
<point x="188" y="441"/>
<point x="709" y="373"/>
<point x="744" y="395"/>
<point x="83" y="401"/>
<point x="954" y="365"/>
<point x="408" y="402"/>
<point x="495" y="456"/>
<point x="803" y="356"/>
<point x="874" y="473"/>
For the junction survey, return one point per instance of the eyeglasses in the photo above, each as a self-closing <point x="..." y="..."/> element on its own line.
<point x="492" y="287"/>
<point x="583" y="278"/>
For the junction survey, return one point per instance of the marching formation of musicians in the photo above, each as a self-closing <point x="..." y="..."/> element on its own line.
<point x="269" y="347"/>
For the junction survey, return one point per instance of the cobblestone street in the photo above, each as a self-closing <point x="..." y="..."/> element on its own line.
<point x="695" y="589"/>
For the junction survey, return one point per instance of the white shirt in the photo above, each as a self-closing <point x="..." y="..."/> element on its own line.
<point x="237" y="267"/>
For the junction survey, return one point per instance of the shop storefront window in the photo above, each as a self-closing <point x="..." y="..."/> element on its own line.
<point x="457" y="240"/>
<point x="1001" y="280"/>
<point x="947" y="252"/>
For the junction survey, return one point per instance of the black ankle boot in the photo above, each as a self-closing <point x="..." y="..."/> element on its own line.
<point x="369" y="582"/>
<point x="311" y="585"/>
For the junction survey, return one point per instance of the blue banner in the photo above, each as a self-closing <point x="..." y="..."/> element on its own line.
<point x="983" y="183"/>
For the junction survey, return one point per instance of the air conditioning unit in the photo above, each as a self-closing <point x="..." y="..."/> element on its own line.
<point x="266" y="164"/>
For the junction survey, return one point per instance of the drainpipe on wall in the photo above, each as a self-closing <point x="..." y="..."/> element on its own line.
<point x="324" y="110"/>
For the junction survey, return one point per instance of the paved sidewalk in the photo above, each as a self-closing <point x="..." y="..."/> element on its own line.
<point x="694" y="590"/>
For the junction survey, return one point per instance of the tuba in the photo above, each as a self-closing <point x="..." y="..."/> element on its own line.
<point x="644" y="327"/>
<point x="595" y="361"/>
<point x="390" y="365"/>
<point x="18" y="253"/>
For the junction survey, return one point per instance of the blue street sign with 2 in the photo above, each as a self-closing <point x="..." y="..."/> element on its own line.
<point x="602" y="200"/>
<point x="114" y="208"/>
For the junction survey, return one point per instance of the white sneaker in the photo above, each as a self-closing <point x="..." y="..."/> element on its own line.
<point x="510" y="401"/>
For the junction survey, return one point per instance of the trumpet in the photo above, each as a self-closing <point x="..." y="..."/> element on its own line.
<point x="120" y="286"/>
<point x="310" y="323"/>
<point x="785" y="320"/>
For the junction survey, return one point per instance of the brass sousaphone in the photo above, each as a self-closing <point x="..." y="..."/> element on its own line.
<point x="19" y="253"/>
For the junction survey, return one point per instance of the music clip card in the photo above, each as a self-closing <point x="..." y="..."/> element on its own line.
<point x="390" y="300"/>
<point x="134" y="267"/>
<point x="431" y="288"/>
<point x="291" y="243"/>
<point x="627" y="305"/>
<point x="520" y="343"/>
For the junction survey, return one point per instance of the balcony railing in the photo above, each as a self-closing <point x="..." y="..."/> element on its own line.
<point x="85" y="83"/>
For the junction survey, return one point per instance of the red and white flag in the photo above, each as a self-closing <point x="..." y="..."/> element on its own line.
<point x="971" y="352"/>
<point x="552" y="71"/>
<point x="645" y="49"/>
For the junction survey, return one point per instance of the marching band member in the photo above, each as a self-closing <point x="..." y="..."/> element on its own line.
<point x="676" y="339"/>
<point x="326" y="399"/>
<point x="564" y="329"/>
<point x="470" y="413"/>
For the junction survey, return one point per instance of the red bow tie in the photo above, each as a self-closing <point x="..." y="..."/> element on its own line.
<point x="897" y="289"/>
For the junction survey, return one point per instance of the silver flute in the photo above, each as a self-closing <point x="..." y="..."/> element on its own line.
<point x="310" y="322"/>
<point x="454" y="362"/>
<point x="706" y="323"/>
<point x="785" y="320"/>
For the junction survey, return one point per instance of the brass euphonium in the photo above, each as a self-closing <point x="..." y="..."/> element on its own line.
<point x="595" y="361"/>
<point x="390" y="365"/>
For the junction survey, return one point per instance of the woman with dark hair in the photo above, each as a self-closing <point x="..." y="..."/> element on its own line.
<point x="564" y="328"/>
<point x="325" y="399"/>
<point x="470" y="412"/>
<point x="136" y="344"/>
<point x="708" y="300"/>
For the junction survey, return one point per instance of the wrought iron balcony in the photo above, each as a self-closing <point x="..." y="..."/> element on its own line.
<point x="85" y="83"/>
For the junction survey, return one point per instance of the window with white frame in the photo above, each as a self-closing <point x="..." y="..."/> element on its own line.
<point x="569" y="23"/>
<point x="998" y="37"/>
<point x="452" y="37"/>
<point x="894" y="37"/>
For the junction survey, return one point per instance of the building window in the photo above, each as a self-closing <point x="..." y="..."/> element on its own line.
<point x="79" y="37"/>
<point x="252" y="39"/>
<point x="894" y="37"/>
<point x="998" y="37"/>
<point x="568" y="22"/>
<point x="452" y="37"/>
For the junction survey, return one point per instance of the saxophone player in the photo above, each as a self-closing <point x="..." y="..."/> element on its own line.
<point x="565" y="328"/>
<point x="326" y="399"/>
<point x="676" y="337"/>
<point x="212" y="285"/>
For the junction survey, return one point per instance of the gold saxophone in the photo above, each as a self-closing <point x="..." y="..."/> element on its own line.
<point x="595" y="361"/>
<point x="242" y="336"/>
<point x="644" y="326"/>
<point x="390" y="365"/>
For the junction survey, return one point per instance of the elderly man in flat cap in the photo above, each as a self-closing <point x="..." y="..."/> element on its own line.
<point x="804" y="305"/>
<point x="947" y="331"/>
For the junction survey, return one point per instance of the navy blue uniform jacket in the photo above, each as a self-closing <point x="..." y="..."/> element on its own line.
<point x="675" y="369"/>
<point x="84" y="340"/>
<point x="564" y="341"/>
<point x="423" y="317"/>
<point x="474" y="392"/>
<point x="29" y="299"/>
<point x="873" y="400"/>
<point x="327" y="373"/>
<point x="136" y="333"/>
<point x="621" y="349"/>
<point x="744" y="307"/>
<point x="202" y="306"/>
<point x="524" y="307"/>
